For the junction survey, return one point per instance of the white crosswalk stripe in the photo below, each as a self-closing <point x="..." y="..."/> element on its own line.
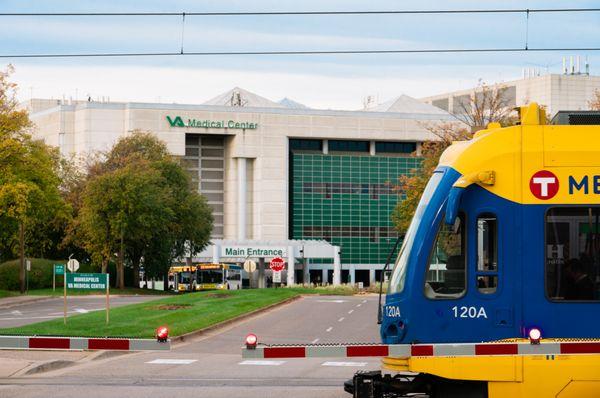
<point x="166" y="361"/>
<point x="261" y="363"/>
<point x="348" y="364"/>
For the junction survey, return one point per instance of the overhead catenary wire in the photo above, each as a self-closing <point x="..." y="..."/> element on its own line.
<point x="183" y="15"/>
<point x="300" y="52"/>
<point x="275" y="13"/>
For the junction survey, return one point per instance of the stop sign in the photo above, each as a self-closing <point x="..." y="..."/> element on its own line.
<point x="277" y="264"/>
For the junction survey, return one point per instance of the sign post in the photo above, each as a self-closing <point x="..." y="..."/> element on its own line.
<point x="65" y="297"/>
<point x="88" y="282"/>
<point x="277" y="264"/>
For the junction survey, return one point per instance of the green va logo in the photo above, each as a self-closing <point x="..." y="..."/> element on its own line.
<point x="177" y="122"/>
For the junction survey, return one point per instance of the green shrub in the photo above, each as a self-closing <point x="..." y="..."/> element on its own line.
<point x="40" y="276"/>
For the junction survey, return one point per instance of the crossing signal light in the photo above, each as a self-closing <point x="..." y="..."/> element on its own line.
<point x="162" y="334"/>
<point x="251" y="341"/>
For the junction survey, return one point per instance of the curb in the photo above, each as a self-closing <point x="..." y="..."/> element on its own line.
<point x="24" y="302"/>
<point x="48" y="366"/>
<point x="216" y="326"/>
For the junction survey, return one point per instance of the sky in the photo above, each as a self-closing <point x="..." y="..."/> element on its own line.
<point x="319" y="81"/>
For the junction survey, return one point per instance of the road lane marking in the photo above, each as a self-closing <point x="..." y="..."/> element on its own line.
<point x="261" y="363"/>
<point x="341" y="319"/>
<point x="173" y="361"/>
<point x="364" y="301"/>
<point x="16" y="312"/>
<point x="331" y="301"/>
<point x="358" y="305"/>
<point x="314" y="341"/>
<point x="81" y="310"/>
<point x="329" y="329"/>
<point x="344" y="364"/>
<point x="350" y="312"/>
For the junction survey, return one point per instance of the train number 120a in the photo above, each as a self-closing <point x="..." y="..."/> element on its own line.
<point x="469" y="312"/>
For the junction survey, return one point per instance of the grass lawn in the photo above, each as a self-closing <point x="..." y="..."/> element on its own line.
<point x="130" y="291"/>
<point x="181" y="314"/>
<point x="7" y="293"/>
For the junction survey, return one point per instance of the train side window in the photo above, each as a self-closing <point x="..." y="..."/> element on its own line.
<point x="572" y="253"/>
<point x="446" y="271"/>
<point x="487" y="253"/>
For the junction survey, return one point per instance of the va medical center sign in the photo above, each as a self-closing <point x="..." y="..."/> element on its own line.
<point x="253" y="251"/>
<point x="178" y="121"/>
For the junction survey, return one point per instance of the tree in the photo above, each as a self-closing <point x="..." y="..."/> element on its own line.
<point x="412" y="186"/>
<point x="30" y="202"/>
<point x="594" y="103"/>
<point x="485" y="106"/>
<point x="138" y="203"/>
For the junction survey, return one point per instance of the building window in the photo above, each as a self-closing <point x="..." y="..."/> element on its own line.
<point x="446" y="276"/>
<point x="572" y="253"/>
<point x="395" y="147"/>
<point x="487" y="253"/>
<point x="348" y="146"/>
<point x="306" y="145"/>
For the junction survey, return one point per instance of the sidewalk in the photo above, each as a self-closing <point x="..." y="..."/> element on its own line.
<point x="23" y="362"/>
<point x="9" y="302"/>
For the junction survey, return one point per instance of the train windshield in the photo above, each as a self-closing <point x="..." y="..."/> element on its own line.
<point x="400" y="268"/>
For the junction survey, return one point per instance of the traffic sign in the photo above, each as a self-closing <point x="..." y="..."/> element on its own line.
<point x="59" y="269"/>
<point x="28" y="265"/>
<point x="276" y="276"/>
<point x="277" y="264"/>
<point x="249" y="266"/>
<point x="87" y="281"/>
<point x="73" y="265"/>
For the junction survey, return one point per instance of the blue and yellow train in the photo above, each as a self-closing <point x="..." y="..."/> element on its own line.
<point x="506" y="238"/>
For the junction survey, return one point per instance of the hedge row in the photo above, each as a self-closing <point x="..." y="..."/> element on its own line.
<point x="40" y="276"/>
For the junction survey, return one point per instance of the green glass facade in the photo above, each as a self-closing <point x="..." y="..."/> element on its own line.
<point x="347" y="199"/>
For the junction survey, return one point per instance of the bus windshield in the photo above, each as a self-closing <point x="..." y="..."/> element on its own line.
<point x="210" y="276"/>
<point x="184" y="277"/>
<point x="399" y="272"/>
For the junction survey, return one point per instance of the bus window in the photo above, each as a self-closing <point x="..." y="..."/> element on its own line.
<point x="446" y="270"/>
<point x="572" y="251"/>
<point x="487" y="253"/>
<point x="210" y="276"/>
<point x="184" y="277"/>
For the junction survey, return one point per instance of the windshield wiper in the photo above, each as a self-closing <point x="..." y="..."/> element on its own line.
<point x="383" y="271"/>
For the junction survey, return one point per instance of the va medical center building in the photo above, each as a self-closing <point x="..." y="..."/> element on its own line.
<point x="276" y="174"/>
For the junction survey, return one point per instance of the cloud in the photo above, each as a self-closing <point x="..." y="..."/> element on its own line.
<point x="194" y="86"/>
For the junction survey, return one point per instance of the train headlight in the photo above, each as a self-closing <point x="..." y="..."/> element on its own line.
<point x="535" y="335"/>
<point x="251" y="341"/>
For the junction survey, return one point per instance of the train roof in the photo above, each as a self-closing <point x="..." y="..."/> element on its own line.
<point x="506" y="160"/>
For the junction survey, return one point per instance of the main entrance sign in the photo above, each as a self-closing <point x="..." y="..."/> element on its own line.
<point x="256" y="252"/>
<point x="177" y="121"/>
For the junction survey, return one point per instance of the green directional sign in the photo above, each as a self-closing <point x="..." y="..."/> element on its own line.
<point x="59" y="269"/>
<point x="86" y="281"/>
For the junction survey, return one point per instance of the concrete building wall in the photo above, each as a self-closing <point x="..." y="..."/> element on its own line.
<point x="555" y="91"/>
<point x="92" y="126"/>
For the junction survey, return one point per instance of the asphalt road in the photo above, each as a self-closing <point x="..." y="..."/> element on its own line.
<point x="51" y="308"/>
<point x="213" y="367"/>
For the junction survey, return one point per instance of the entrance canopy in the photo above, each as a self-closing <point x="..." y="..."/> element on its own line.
<point x="238" y="251"/>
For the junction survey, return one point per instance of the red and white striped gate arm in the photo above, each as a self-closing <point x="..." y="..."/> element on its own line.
<point x="421" y="350"/>
<point x="81" y="343"/>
